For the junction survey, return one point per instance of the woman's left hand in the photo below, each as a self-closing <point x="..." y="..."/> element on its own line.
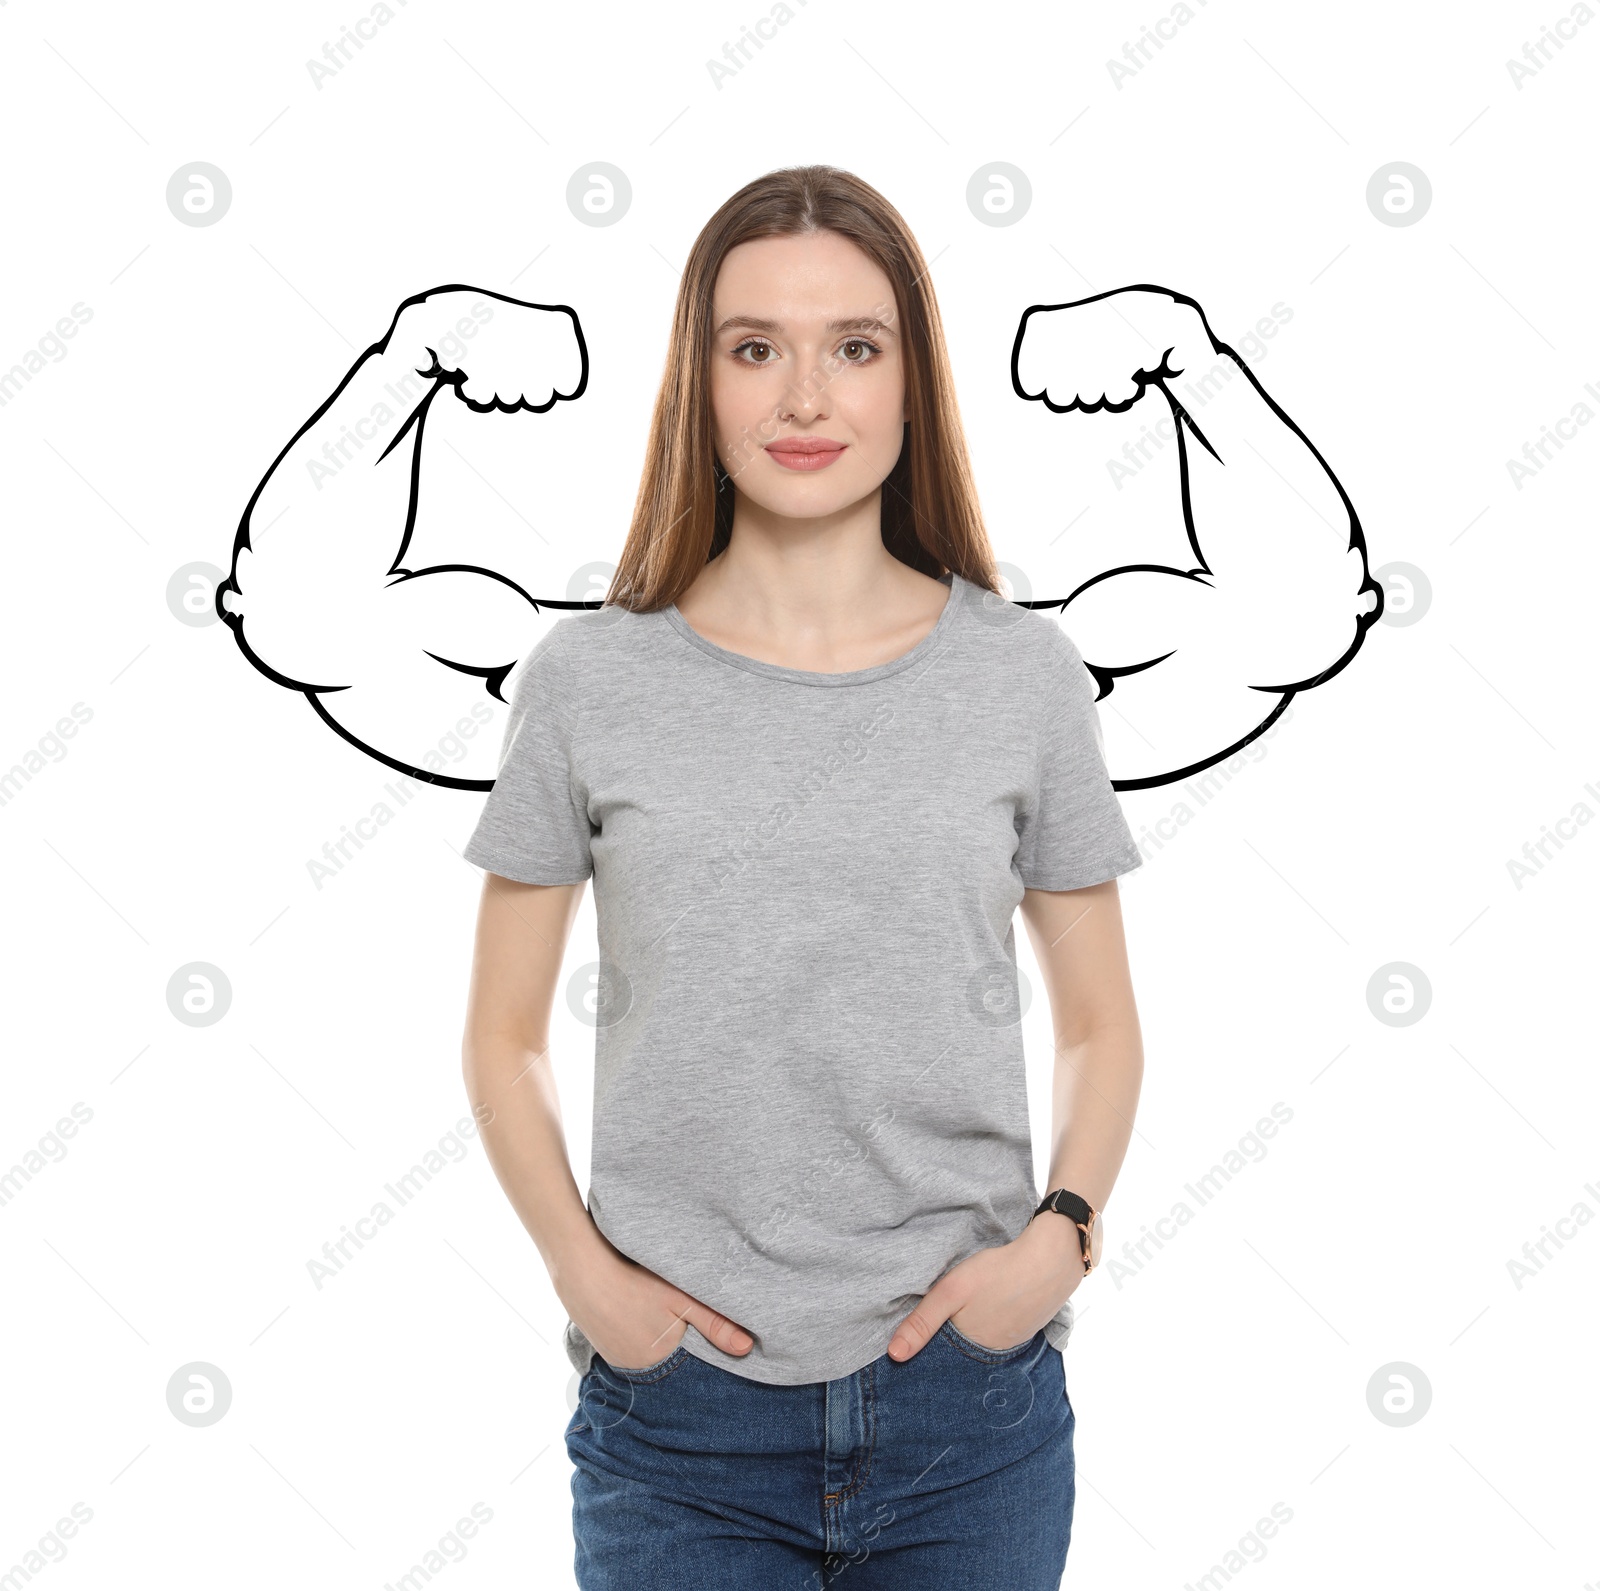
<point x="999" y="1297"/>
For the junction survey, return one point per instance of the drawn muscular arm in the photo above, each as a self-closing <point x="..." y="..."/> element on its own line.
<point x="1265" y="516"/>
<point x="1275" y="595"/>
<point x="326" y="532"/>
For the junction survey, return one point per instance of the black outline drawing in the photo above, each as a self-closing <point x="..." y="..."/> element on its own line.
<point x="1158" y="376"/>
<point x="495" y="674"/>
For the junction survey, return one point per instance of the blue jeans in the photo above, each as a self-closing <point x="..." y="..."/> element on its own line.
<point x="952" y="1469"/>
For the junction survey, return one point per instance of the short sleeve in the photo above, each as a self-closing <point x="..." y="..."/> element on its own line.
<point x="1070" y="825"/>
<point x="534" y="826"/>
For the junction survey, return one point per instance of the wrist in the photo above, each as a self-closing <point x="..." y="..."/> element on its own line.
<point x="422" y="324"/>
<point x="1057" y="1244"/>
<point x="1189" y="342"/>
<point x="574" y="1253"/>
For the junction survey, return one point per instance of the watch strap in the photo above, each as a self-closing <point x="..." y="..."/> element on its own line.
<point x="1064" y="1202"/>
<point x="1078" y="1210"/>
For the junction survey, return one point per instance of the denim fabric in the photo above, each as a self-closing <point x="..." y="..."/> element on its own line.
<point x="953" y="1469"/>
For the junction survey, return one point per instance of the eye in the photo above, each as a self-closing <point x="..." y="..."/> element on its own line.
<point x="753" y="342"/>
<point x="868" y="351"/>
<point x="860" y="342"/>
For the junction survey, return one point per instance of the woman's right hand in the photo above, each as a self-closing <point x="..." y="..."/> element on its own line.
<point x="635" y="1318"/>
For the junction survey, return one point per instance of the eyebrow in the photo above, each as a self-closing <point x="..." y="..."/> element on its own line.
<point x="758" y="323"/>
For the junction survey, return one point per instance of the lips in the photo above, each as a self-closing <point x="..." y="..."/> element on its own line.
<point x="806" y="444"/>
<point x="805" y="453"/>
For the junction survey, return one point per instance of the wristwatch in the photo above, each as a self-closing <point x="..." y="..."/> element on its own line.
<point x="1083" y="1216"/>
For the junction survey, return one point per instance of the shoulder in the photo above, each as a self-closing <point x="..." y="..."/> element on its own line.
<point x="593" y="637"/>
<point x="581" y="633"/>
<point x="590" y="647"/>
<point x="546" y="670"/>
<point x="1030" y="644"/>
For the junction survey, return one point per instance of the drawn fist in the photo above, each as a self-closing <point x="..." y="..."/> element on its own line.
<point x="1102" y="352"/>
<point x="497" y="352"/>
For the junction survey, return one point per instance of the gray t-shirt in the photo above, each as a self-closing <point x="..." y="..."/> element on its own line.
<point x="809" y="1091"/>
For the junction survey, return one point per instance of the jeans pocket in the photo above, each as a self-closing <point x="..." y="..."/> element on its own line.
<point x="579" y="1419"/>
<point x="960" y="1341"/>
<point x="655" y="1372"/>
<point x="1066" y="1388"/>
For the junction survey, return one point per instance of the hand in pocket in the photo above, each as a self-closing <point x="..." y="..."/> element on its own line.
<point x="998" y="1297"/>
<point x="635" y="1318"/>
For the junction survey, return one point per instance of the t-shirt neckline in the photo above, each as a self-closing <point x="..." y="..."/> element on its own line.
<point x="859" y="676"/>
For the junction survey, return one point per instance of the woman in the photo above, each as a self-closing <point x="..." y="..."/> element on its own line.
<point x="813" y="761"/>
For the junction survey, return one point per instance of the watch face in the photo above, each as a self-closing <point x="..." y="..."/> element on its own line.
<point x="1096" y="1237"/>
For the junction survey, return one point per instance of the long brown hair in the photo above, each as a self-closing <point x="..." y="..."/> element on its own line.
<point x="683" y="515"/>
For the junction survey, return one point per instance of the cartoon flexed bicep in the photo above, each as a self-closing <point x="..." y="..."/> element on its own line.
<point x="1198" y="661"/>
<point x="320" y="597"/>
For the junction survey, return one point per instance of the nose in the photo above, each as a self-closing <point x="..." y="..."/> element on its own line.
<point x="805" y="399"/>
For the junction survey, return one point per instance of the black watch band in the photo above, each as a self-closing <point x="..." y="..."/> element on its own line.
<point x="1067" y="1204"/>
<point x="1079" y="1211"/>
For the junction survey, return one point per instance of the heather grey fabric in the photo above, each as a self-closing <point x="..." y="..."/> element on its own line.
<point x="809" y="1096"/>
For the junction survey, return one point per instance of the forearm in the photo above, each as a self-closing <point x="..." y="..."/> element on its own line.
<point x="1015" y="1288"/>
<point x="1095" y="1096"/>
<point x="1257" y="487"/>
<point x="356" y="435"/>
<point x="527" y="1148"/>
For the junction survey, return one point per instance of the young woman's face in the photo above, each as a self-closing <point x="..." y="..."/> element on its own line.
<point x="806" y="349"/>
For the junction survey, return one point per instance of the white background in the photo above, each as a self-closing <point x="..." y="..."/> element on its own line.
<point x="1229" y="1370"/>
